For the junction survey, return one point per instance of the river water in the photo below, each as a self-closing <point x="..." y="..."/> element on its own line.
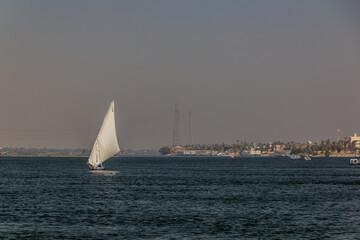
<point x="177" y="198"/>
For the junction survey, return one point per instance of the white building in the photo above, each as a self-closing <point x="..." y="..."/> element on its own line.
<point x="355" y="140"/>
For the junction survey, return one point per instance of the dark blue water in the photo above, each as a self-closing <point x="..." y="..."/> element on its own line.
<point x="193" y="198"/>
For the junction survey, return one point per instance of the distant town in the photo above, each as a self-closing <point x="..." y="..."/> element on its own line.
<point x="348" y="147"/>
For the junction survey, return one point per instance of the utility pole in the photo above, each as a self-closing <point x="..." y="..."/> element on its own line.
<point x="338" y="132"/>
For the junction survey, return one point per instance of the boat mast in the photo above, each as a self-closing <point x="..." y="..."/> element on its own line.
<point x="97" y="151"/>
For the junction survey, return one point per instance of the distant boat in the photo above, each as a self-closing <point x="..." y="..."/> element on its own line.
<point x="106" y="144"/>
<point x="354" y="161"/>
<point x="307" y="157"/>
<point x="293" y="156"/>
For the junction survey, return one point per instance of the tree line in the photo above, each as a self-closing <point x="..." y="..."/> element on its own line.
<point x="321" y="147"/>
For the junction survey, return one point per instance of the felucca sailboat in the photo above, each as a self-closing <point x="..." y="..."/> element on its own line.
<point x="106" y="144"/>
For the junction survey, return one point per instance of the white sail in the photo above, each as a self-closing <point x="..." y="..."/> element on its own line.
<point x="106" y="144"/>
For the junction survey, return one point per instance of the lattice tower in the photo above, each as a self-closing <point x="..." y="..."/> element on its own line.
<point x="190" y="129"/>
<point x="176" y="134"/>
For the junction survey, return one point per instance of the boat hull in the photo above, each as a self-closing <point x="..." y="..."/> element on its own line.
<point x="354" y="161"/>
<point x="94" y="168"/>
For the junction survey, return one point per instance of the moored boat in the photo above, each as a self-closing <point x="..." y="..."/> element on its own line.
<point x="354" y="161"/>
<point x="293" y="156"/>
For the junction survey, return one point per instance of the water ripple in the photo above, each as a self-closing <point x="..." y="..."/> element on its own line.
<point x="205" y="198"/>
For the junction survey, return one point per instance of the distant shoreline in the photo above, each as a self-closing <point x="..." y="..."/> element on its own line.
<point x="169" y="156"/>
<point x="4" y="156"/>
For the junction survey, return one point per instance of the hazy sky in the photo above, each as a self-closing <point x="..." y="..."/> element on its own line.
<point x="250" y="70"/>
